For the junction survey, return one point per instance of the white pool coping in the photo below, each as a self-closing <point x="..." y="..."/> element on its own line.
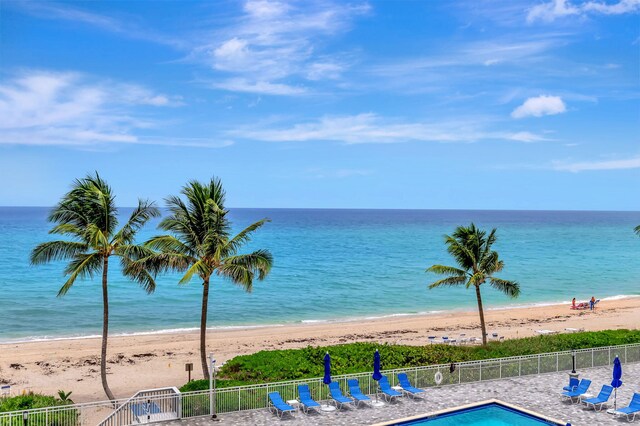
<point x="473" y="405"/>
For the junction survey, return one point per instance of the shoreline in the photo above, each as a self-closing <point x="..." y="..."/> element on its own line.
<point x="374" y="317"/>
<point x="148" y="361"/>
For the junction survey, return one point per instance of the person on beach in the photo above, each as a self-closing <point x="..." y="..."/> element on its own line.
<point x="573" y="303"/>
<point x="592" y="303"/>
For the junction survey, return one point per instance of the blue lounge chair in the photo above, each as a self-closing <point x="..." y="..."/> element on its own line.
<point x="601" y="400"/>
<point x="338" y="398"/>
<point x="630" y="411"/>
<point x="573" y="384"/>
<point x="356" y="393"/>
<point x="305" y="399"/>
<point x="144" y="409"/>
<point x="582" y="388"/>
<point x="387" y="391"/>
<point x="277" y="405"/>
<point x="406" y="386"/>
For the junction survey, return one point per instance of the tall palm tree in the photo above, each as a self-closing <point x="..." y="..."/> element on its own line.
<point x="637" y="230"/>
<point x="88" y="215"/>
<point x="200" y="244"/>
<point x="470" y="247"/>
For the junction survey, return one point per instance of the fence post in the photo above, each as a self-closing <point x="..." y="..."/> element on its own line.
<point x="538" y="363"/>
<point x="557" y="362"/>
<point x="501" y="368"/>
<point x="480" y="370"/>
<point x="459" y="375"/>
<point x="519" y="366"/>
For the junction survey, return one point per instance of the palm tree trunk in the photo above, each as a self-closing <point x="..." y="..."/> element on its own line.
<point x="481" y="311"/>
<point x="203" y="328"/>
<point x="105" y="330"/>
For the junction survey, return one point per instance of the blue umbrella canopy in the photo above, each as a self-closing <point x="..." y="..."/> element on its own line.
<point x="616" y="382"/>
<point x="376" y="367"/>
<point x="327" y="369"/>
<point x="617" y="373"/>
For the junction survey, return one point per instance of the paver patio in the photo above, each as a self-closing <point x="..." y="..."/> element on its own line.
<point x="537" y="393"/>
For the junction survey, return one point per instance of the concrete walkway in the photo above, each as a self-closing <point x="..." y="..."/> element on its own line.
<point x="536" y="393"/>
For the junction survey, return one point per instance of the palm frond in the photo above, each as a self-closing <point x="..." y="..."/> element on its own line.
<point x="166" y="262"/>
<point x="243" y="237"/>
<point x="68" y="229"/>
<point x="83" y="266"/>
<point x="56" y="250"/>
<point x="259" y="262"/>
<point x="449" y="281"/>
<point x="637" y="230"/>
<point x="169" y="243"/>
<point x="200" y="268"/>
<point x="139" y="217"/>
<point x="238" y="274"/>
<point x="140" y="275"/>
<point x="446" y="270"/>
<point x="510" y="288"/>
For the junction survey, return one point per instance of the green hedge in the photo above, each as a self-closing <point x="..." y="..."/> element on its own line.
<point x="35" y="400"/>
<point x="291" y="364"/>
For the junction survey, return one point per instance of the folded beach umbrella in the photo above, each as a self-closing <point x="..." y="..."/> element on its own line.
<point x="376" y="372"/>
<point x="327" y="369"/>
<point x="616" y="382"/>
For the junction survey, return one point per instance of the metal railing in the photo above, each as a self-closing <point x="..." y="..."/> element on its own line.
<point x="251" y="397"/>
<point x="147" y="406"/>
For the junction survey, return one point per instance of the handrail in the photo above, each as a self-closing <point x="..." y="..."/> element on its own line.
<point x="142" y="394"/>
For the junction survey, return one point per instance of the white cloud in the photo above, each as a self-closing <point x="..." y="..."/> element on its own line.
<point x="259" y="87"/>
<point x="324" y="70"/>
<point x="629" y="163"/>
<point x="539" y="106"/>
<point x="61" y="11"/>
<point x="554" y="9"/>
<point x="371" y="128"/>
<point x="274" y="42"/>
<point x="54" y="108"/>
<point x="527" y="137"/>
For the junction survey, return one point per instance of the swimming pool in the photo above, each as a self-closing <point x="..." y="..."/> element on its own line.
<point x="487" y="413"/>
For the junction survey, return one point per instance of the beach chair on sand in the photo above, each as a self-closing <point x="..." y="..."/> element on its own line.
<point x="601" y="400"/>
<point x="573" y="384"/>
<point x="304" y="396"/>
<point x="356" y="393"/>
<point x="338" y="398"/>
<point x="582" y="388"/>
<point x="278" y="406"/>
<point x="630" y="411"/>
<point x="387" y="391"/>
<point x="406" y="386"/>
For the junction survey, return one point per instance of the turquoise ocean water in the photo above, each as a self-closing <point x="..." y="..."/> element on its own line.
<point x="329" y="265"/>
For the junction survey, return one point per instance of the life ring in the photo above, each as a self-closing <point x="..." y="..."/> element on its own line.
<point x="438" y="378"/>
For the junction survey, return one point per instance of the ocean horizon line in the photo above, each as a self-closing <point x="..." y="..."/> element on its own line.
<point x="307" y="322"/>
<point x="408" y="209"/>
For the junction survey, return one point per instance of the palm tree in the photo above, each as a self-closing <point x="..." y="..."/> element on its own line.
<point x="88" y="215"/>
<point x="637" y="230"/>
<point x="200" y="243"/>
<point x="471" y="249"/>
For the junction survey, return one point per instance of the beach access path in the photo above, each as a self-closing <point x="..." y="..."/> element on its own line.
<point x="158" y="360"/>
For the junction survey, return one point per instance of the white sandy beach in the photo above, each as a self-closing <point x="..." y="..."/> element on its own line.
<point x="157" y="360"/>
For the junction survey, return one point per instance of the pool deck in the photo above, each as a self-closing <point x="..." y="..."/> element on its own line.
<point x="540" y="394"/>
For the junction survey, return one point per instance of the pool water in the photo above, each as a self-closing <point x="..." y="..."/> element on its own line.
<point x="485" y="415"/>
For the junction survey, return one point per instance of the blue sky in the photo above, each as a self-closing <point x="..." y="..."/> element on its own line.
<point x="396" y="104"/>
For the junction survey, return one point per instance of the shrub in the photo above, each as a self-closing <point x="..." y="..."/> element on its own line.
<point x="291" y="364"/>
